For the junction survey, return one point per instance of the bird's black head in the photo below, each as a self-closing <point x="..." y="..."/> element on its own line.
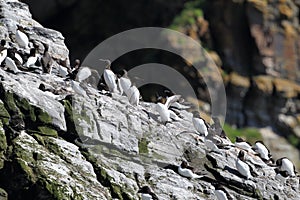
<point x="279" y="162"/>
<point x="3" y="43"/>
<point x="239" y="139"/>
<point x="169" y="93"/>
<point x="145" y="189"/>
<point x="184" y="164"/>
<point x="241" y="155"/>
<point x="32" y="52"/>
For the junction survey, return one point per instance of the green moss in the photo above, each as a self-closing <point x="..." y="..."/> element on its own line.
<point x="10" y="103"/>
<point x="28" y="171"/>
<point x="47" y="131"/>
<point x="4" y="115"/>
<point x="27" y="109"/>
<point x="143" y="146"/>
<point x="3" y="144"/>
<point x="293" y="140"/>
<point x="55" y="190"/>
<point x="43" y="116"/>
<point x="188" y="16"/>
<point x="250" y="134"/>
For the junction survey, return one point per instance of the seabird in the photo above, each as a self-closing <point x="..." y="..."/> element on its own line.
<point x="187" y="171"/>
<point x="11" y="65"/>
<point x="163" y="107"/>
<point x="281" y="176"/>
<point x="21" y="37"/>
<point x="242" y="144"/>
<point x="242" y="167"/>
<point x="109" y="77"/>
<point x="177" y="104"/>
<point x="3" y="51"/>
<point x="133" y="95"/>
<point x="83" y="73"/>
<point x="220" y="192"/>
<point x="262" y="150"/>
<point x="73" y="72"/>
<point x="46" y="59"/>
<point x="284" y="164"/>
<point x="125" y="83"/>
<point x="199" y="124"/>
<point x="147" y="194"/>
<point x="32" y="58"/>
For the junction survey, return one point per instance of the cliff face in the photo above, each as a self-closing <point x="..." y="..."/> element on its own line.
<point x="66" y="146"/>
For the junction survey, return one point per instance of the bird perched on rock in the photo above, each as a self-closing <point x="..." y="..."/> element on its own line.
<point x="46" y="59"/>
<point x="74" y="70"/>
<point x="242" y="144"/>
<point x="242" y="167"/>
<point x="220" y="192"/>
<point x="109" y="77"/>
<point x="133" y="95"/>
<point x="162" y="107"/>
<point x="284" y="164"/>
<point x="124" y="83"/>
<point x="147" y="194"/>
<point x="11" y="65"/>
<point x="262" y="150"/>
<point x="179" y="104"/>
<point x="187" y="171"/>
<point x="33" y="57"/>
<point x="21" y="37"/>
<point x="77" y="88"/>
<point x="199" y="124"/>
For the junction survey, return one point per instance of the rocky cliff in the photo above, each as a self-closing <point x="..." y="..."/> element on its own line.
<point x="66" y="146"/>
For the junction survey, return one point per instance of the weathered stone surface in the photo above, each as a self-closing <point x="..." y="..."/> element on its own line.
<point x="97" y="147"/>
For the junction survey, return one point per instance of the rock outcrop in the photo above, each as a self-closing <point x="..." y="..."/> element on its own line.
<point x="66" y="146"/>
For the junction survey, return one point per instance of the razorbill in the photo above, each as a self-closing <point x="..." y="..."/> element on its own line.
<point x="220" y="192"/>
<point x="74" y="70"/>
<point x="32" y="58"/>
<point x="133" y="95"/>
<point x="262" y="150"/>
<point x="187" y="171"/>
<point x="11" y="65"/>
<point x="199" y="124"/>
<point x="109" y="77"/>
<point x="125" y="83"/>
<point x="147" y="194"/>
<point x="163" y="107"/>
<point x="3" y="51"/>
<point x="284" y="164"/>
<point x="46" y="59"/>
<point x="242" y="167"/>
<point x="242" y="144"/>
<point x="21" y="37"/>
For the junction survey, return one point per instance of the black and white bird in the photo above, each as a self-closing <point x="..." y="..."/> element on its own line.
<point x="242" y="167"/>
<point x="77" y="88"/>
<point x="21" y="37"/>
<point x="187" y="171"/>
<point x="3" y="51"/>
<point x="162" y="107"/>
<point x="33" y="57"/>
<point x="199" y="124"/>
<point x="124" y="83"/>
<point x="179" y="104"/>
<point x="262" y="150"/>
<point x="220" y="192"/>
<point x="147" y="194"/>
<point x="284" y="164"/>
<point x="281" y="176"/>
<point x="133" y="95"/>
<point x="242" y="144"/>
<point x="11" y="65"/>
<point x="109" y="77"/>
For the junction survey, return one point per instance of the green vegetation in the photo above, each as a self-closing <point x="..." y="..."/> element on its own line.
<point x="294" y="140"/>
<point x="250" y="134"/>
<point x="189" y="15"/>
<point x="143" y="146"/>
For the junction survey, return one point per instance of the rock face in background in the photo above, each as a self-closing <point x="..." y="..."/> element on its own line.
<point x="66" y="146"/>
